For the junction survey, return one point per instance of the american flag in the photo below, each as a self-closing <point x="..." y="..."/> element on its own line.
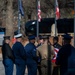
<point x="56" y="50"/>
<point x="57" y="11"/>
<point x="39" y="12"/>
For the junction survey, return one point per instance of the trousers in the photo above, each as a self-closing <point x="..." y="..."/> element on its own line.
<point x="55" y="70"/>
<point x="44" y="66"/>
<point x="20" y="67"/>
<point x="32" y="67"/>
<point x="8" y="65"/>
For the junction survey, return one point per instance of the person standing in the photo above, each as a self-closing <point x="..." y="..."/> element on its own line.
<point x="8" y="57"/>
<point x="63" y="55"/>
<point x="31" y="61"/>
<point x="40" y="42"/>
<point x="56" y="50"/>
<point x="20" y="55"/>
<point x="44" y="56"/>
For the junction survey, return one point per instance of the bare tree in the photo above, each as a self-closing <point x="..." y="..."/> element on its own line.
<point x="10" y="7"/>
<point x="9" y="18"/>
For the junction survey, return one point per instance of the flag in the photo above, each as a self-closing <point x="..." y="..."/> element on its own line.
<point x="57" y="11"/>
<point x="21" y="8"/>
<point x="56" y="50"/>
<point x="39" y="12"/>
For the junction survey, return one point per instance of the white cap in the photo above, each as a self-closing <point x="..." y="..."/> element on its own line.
<point x="18" y="36"/>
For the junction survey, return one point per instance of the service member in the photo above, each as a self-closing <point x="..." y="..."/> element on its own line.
<point x="31" y="61"/>
<point x="8" y="57"/>
<point x="20" y="55"/>
<point x="44" y="56"/>
<point x="63" y="55"/>
<point x="40" y="42"/>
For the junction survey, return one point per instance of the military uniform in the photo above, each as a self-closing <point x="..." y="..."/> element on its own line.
<point x="39" y="59"/>
<point x="31" y="61"/>
<point x="20" y="56"/>
<point x="63" y="55"/>
<point x="44" y="56"/>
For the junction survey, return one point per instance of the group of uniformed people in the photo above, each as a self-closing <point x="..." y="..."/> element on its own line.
<point x="21" y="55"/>
<point x="35" y="57"/>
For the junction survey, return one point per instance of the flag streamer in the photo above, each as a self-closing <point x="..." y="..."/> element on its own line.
<point x="21" y="8"/>
<point x="39" y="12"/>
<point x="57" y="11"/>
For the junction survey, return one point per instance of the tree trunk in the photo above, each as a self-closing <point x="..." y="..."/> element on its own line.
<point x="9" y="19"/>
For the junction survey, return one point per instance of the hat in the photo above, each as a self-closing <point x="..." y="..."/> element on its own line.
<point x="31" y="37"/>
<point x="43" y="37"/>
<point x="67" y="36"/>
<point x="6" y="37"/>
<point x="40" y="37"/>
<point x="55" y="38"/>
<point x="18" y="36"/>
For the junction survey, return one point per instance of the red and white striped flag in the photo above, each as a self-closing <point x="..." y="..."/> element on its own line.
<point x="39" y="12"/>
<point x="57" y="11"/>
<point x="56" y="50"/>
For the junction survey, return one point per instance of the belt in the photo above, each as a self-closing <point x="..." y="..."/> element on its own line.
<point x="45" y="59"/>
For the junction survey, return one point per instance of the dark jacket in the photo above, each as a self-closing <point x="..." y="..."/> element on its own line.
<point x="7" y="52"/>
<point x="62" y="58"/>
<point x="19" y="51"/>
<point x="56" y="45"/>
<point x="30" y="49"/>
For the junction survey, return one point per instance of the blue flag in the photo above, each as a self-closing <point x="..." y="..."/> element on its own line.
<point x="21" y="8"/>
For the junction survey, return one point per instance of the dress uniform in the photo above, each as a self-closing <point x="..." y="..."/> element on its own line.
<point x="40" y="42"/>
<point x="44" y="56"/>
<point x="31" y="61"/>
<point x="8" y="58"/>
<point x="20" y="55"/>
<point x="43" y="49"/>
<point x="63" y="55"/>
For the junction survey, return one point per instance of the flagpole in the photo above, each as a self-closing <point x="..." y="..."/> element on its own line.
<point x="37" y="27"/>
<point x="74" y="23"/>
<point x="19" y="16"/>
<point x="55" y="18"/>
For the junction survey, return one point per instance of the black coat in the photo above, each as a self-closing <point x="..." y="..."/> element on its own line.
<point x="62" y="58"/>
<point x="56" y="45"/>
<point x="19" y="51"/>
<point x="7" y="52"/>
